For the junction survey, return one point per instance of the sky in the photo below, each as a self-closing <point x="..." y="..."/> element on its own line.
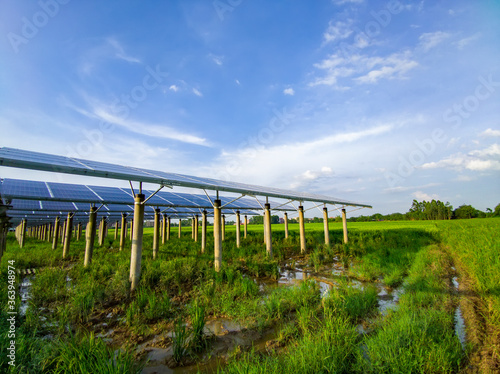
<point x="378" y="102"/>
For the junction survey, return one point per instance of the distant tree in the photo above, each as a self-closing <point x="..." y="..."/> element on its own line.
<point x="496" y="212"/>
<point x="275" y="219"/>
<point x="257" y="220"/>
<point x="465" y="211"/>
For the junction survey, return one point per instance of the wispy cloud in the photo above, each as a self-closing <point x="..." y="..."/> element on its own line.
<point x="342" y="2"/>
<point x="419" y="195"/>
<point x="174" y="88"/>
<point x="430" y="40"/>
<point x="487" y="159"/>
<point x="218" y="60"/>
<point x="289" y="91"/>
<point x="197" y="92"/>
<point x="462" y="43"/>
<point x="119" y="51"/>
<point x="364" y="69"/>
<point x="490" y="132"/>
<point x="337" y="30"/>
<point x="103" y="112"/>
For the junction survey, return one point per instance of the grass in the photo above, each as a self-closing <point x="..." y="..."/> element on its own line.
<point x="313" y="334"/>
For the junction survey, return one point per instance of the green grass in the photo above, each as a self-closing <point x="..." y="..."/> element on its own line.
<point x="318" y="335"/>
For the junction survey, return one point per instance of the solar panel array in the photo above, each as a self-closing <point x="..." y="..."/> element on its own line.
<point x="60" y="164"/>
<point x="70" y="197"/>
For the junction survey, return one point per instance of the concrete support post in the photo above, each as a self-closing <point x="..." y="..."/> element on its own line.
<point x="344" y="225"/>
<point x="264" y="226"/>
<point x="156" y="234"/>
<point x="203" y="231"/>
<point x="135" y="260"/>
<point x="192" y="228"/>
<point x="23" y="232"/>
<point x="79" y="231"/>
<point x="238" y="227"/>
<point x="90" y="236"/>
<point x="302" y="230"/>
<point x="196" y="229"/>
<point x="326" y="227"/>
<point x="61" y="232"/>
<point x="285" y="218"/>
<point x="267" y="225"/>
<point x="123" y="231"/>
<point x="67" y="235"/>
<point x="217" y="235"/>
<point x="116" y="229"/>
<point x="223" y="228"/>
<point x="168" y="228"/>
<point x="180" y="228"/>
<point x="245" y="230"/>
<point x="164" y="229"/>
<point x="55" y="238"/>
<point x="47" y="233"/>
<point x="102" y="231"/>
<point x="131" y="229"/>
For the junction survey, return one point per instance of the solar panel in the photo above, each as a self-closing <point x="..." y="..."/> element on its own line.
<point x="39" y="161"/>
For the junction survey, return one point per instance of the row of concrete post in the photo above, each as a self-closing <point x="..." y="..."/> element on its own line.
<point x="161" y="229"/>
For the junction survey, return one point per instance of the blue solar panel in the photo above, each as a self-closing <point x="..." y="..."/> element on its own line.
<point x="112" y="195"/>
<point x="71" y="192"/>
<point x="38" y="161"/>
<point x="21" y="188"/>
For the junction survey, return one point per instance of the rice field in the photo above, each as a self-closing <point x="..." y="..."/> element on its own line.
<point x="409" y="297"/>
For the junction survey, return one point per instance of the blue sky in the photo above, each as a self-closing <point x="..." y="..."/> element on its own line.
<point x="370" y="101"/>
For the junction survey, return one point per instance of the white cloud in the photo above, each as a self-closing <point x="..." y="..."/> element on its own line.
<point x="419" y="195"/>
<point x="237" y="82"/>
<point x="487" y="159"/>
<point x="174" y="88"/>
<point x="462" y="43"/>
<point x="289" y="91"/>
<point x="492" y="150"/>
<point x="103" y="112"/>
<point x="119" y="51"/>
<point x="430" y="40"/>
<point x="490" y="132"/>
<point x="336" y="31"/>
<point x="363" y="69"/>
<point x="197" y="92"/>
<point x="295" y="164"/>
<point x="342" y="2"/>
<point x="216" y="59"/>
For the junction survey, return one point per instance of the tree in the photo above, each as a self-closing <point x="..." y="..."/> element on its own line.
<point x="496" y="212"/>
<point x="465" y="211"/>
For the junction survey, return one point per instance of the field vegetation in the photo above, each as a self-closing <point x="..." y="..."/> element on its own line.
<point x="337" y="317"/>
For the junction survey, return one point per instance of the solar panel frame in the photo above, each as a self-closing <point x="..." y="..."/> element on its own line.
<point x="40" y="161"/>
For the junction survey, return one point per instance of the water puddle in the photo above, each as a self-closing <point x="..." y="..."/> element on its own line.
<point x="25" y="293"/>
<point x="458" y="317"/>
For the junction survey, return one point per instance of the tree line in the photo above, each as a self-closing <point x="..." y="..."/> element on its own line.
<point x="431" y="210"/>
